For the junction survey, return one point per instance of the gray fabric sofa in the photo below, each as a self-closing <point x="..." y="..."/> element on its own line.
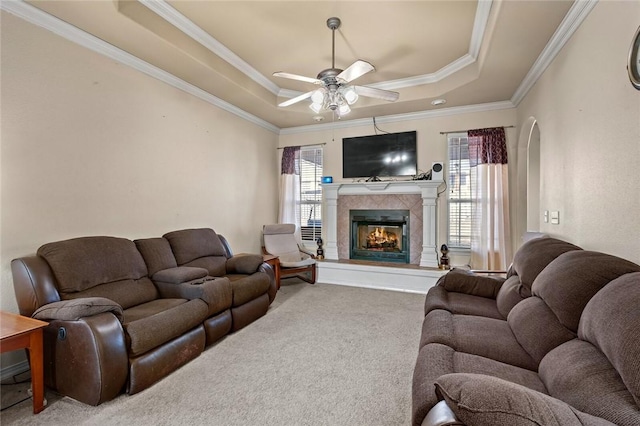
<point x="568" y="353"/>
<point x="124" y="314"/>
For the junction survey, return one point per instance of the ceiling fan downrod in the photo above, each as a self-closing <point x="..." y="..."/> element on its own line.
<point x="333" y="24"/>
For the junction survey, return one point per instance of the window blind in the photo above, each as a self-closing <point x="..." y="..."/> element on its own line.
<point x="310" y="167"/>
<point x="459" y="196"/>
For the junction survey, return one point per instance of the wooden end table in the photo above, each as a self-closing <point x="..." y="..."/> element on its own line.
<point x="18" y="332"/>
<point x="275" y="264"/>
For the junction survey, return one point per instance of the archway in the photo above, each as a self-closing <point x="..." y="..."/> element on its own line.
<point x="533" y="179"/>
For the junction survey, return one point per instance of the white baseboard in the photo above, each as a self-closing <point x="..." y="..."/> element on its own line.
<point x="13" y="370"/>
<point x="411" y="280"/>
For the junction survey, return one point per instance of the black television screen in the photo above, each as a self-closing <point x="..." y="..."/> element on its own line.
<point x="388" y="154"/>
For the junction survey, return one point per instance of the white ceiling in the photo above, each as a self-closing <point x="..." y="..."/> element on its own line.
<point x="467" y="52"/>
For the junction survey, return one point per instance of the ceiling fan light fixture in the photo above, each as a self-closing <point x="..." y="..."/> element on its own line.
<point x="316" y="107"/>
<point x="344" y="109"/>
<point x="349" y="94"/>
<point x="318" y="96"/>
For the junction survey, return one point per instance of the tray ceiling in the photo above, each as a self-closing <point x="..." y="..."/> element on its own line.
<point x="467" y="52"/>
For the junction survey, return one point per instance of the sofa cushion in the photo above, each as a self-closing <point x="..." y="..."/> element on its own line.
<point x="436" y="359"/>
<point x="73" y="310"/>
<point x="477" y="399"/>
<point x="190" y="244"/>
<point x="611" y="322"/>
<point x="487" y="337"/>
<point x="151" y="324"/>
<point x="561" y="291"/>
<point x="156" y="253"/>
<point x="82" y="263"/>
<point x="126" y="293"/>
<point x="570" y="281"/>
<point x="536" y="327"/>
<point x="582" y="376"/>
<point x="509" y="295"/>
<point x="533" y="256"/>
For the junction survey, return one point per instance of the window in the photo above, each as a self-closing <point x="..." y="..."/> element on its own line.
<point x="310" y="167"/>
<point x="459" y="198"/>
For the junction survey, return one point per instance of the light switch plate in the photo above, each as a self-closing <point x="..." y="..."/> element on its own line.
<point x="546" y="216"/>
<point x="555" y="217"/>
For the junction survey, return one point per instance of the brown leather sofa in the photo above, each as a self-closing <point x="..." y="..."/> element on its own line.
<point x="567" y="353"/>
<point x="124" y="314"/>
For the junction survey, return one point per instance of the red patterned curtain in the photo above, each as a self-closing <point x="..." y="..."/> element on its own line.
<point x="490" y="240"/>
<point x="487" y="146"/>
<point x="289" y="156"/>
<point x="289" y="211"/>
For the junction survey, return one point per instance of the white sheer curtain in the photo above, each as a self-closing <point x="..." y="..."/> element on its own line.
<point x="289" y="211"/>
<point x="490" y="238"/>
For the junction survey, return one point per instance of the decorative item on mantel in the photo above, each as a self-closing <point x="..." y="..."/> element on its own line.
<point x="444" y="260"/>
<point x="320" y="251"/>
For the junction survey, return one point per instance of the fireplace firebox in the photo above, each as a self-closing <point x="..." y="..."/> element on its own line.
<point x="379" y="235"/>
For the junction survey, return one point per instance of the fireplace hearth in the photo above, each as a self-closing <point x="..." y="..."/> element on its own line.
<point x="379" y="235"/>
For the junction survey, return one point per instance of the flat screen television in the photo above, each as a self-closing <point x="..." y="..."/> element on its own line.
<point x="383" y="155"/>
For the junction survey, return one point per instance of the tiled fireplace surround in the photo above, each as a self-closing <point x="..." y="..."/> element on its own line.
<point x="411" y="202"/>
<point x="419" y="197"/>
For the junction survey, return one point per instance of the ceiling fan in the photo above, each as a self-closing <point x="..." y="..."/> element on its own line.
<point x="335" y="93"/>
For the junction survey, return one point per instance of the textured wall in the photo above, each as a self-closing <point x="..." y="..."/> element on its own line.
<point x="589" y="120"/>
<point x="93" y="147"/>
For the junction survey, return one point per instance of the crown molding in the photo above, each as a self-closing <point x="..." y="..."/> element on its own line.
<point x="435" y="77"/>
<point x="479" y="27"/>
<point x="571" y="22"/>
<point x="420" y="115"/>
<point x="57" y="26"/>
<point x="184" y="24"/>
<point x="477" y="35"/>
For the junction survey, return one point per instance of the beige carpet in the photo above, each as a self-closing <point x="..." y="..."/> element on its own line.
<point x="323" y="355"/>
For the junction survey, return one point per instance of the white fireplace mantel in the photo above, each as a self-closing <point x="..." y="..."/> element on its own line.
<point x="428" y="190"/>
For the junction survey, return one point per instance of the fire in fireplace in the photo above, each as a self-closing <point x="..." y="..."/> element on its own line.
<point x="379" y="235"/>
<point x="381" y="239"/>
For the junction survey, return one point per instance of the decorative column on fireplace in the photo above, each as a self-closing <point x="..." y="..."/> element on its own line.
<point x="379" y="235"/>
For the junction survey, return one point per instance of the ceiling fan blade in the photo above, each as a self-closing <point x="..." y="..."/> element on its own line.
<point x="297" y="77"/>
<point x="296" y="99"/>
<point x="355" y="70"/>
<point x="370" y="92"/>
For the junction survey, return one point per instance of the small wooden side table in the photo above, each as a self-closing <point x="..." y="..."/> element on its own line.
<point x="18" y="332"/>
<point x="275" y="264"/>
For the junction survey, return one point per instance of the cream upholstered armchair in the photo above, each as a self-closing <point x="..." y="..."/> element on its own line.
<point x="294" y="261"/>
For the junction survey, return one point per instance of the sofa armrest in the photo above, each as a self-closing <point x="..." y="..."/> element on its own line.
<point x="86" y="359"/>
<point x="244" y="264"/>
<point x="463" y="281"/>
<point x="214" y="291"/>
<point x="75" y="309"/>
<point x="179" y="274"/>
